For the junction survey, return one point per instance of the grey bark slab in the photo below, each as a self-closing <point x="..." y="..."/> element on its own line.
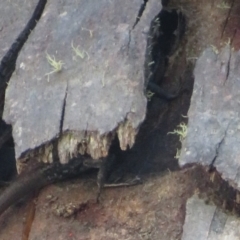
<point x="213" y="133"/>
<point x="207" y="222"/>
<point x="99" y="92"/>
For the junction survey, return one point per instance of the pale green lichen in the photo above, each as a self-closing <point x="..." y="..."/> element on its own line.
<point x="181" y="131"/>
<point x="224" y="5"/>
<point x="56" y="65"/>
<point x="177" y="156"/>
<point x="215" y="49"/>
<point x="80" y="53"/>
<point x="89" y="30"/>
<point x="149" y="95"/>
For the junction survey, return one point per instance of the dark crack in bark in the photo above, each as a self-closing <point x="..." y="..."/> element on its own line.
<point x="63" y="111"/>
<point x="211" y="166"/>
<point x="165" y="33"/>
<point x="8" y="62"/>
<point x="228" y="66"/>
<point x="218" y="222"/>
<point x="227" y="18"/>
<point x="140" y="13"/>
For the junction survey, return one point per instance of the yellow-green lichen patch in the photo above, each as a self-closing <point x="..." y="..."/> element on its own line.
<point x="56" y="65"/>
<point x="181" y="132"/>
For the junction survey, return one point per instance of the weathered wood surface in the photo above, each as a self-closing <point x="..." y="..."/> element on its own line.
<point x="8" y="61"/>
<point x="213" y="136"/>
<point x="10" y="25"/>
<point x="154" y="210"/>
<point x="14" y="16"/>
<point x="13" y="34"/>
<point x="207" y="222"/>
<point x="91" y="98"/>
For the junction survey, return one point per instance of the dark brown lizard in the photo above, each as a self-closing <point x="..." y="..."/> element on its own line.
<point x="42" y="175"/>
<point x="45" y="174"/>
<point x="166" y="31"/>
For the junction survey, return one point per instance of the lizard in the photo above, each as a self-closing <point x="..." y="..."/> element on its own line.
<point x="46" y="174"/>
<point x="42" y="175"/>
<point x="165" y="33"/>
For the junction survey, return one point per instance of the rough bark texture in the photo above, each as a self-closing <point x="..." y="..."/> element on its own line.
<point x="213" y="129"/>
<point x="207" y="222"/>
<point x="93" y="96"/>
<point x="14" y="16"/>
<point x="156" y="209"/>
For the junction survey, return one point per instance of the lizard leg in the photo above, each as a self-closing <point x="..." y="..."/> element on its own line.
<point x="101" y="177"/>
<point x="103" y="173"/>
<point x="132" y="182"/>
<point x="155" y="88"/>
<point x="105" y="166"/>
